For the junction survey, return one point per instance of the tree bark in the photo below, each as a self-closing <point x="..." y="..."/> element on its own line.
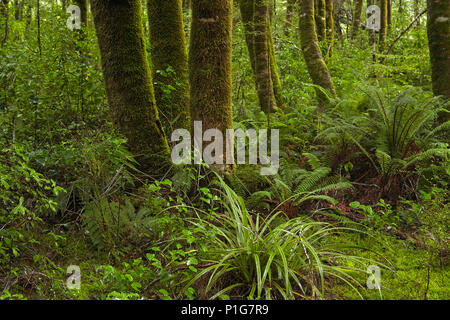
<point x="383" y="25"/>
<point x="438" y="29"/>
<point x="210" y="64"/>
<point x="315" y="63"/>
<point x="330" y="25"/>
<point x="290" y="8"/>
<point x="128" y="80"/>
<point x="83" y="4"/>
<point x="5" y="20"/>
<point x="320" y="17"/>
<point x="264" y="84"/>
<point x="356" y="26"/>
<point x="168" y="43"/>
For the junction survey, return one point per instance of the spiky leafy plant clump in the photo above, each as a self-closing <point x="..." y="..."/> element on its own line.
<point x="269" y="257"/>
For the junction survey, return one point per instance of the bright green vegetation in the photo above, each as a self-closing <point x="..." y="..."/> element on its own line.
<point x="363" y="181"/>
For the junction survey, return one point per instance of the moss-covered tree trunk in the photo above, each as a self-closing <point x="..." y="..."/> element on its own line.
<point x="356" y="25"/>
<point x="383" y="25"/>
<point x="4" y="20"/>
<point x="315" y="63"/>
<point x="210" y="64"/>
<point x="170" y="63"/>
<point x="264" y="84"/>
<point x="330" y="25"/>
<point x="276" y="82"/>
<point x="290" y="8"/>
<point x="247" y="8"/>
<point x="438" y="29"/>
<point x="389" y="14"/>
<point x="128" y="80"/>
<point x="320" y="18"/>
<point x="259" y="27"/>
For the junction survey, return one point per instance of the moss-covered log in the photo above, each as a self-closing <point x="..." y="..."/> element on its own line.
<point x="383" y="25"/>
<point x="210" y="64"/>
<point x="315" y="63"/>
<point x="128" y="80"/>
<point x="438" y="29"/>
<point x="356" y="25"/>
<point x="169" y="52"/>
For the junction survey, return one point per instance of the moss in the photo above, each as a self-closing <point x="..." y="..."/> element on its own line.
<point x="167" y="39"/>
<point x="438" y="29"/>
<point x="210" y="64"/>
<point x="128" y="80"/>
<point x="356" y="26"/>
<point x="315" y="63"/>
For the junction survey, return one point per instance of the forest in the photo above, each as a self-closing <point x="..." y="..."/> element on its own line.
<point x="224" y="150"/>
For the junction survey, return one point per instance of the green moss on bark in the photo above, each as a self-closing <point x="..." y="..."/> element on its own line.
<point x="315" y="63"/>
<point x="167" y="39"/>
<point x="210" y="64"/>
<point x="128" y="80"/>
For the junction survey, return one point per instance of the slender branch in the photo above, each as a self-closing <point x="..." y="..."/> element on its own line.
<point x="404" y="31"/>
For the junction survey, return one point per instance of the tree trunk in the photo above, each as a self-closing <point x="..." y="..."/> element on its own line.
<point x="389" y="14"/>
<point x="259" y="27"/>
<point x="83" y="4"/>
<point x="438" y="29"/>
<point x="330" y="25"/>
<point x="315" y="63"/>
<point x="276" y="82"/>
<point x="210" y="64"/>
<point x="264" y="84"/>
<point x="290" y="8"/>
<point x="383" y="25"/>
<point x="128" y="80"/>
<point x="356" y="26"/>
<point x="320" y="17"/>
<point x="247" y="15"/>
<point x="168" y="52"/>
<point x="5" y="20"/>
